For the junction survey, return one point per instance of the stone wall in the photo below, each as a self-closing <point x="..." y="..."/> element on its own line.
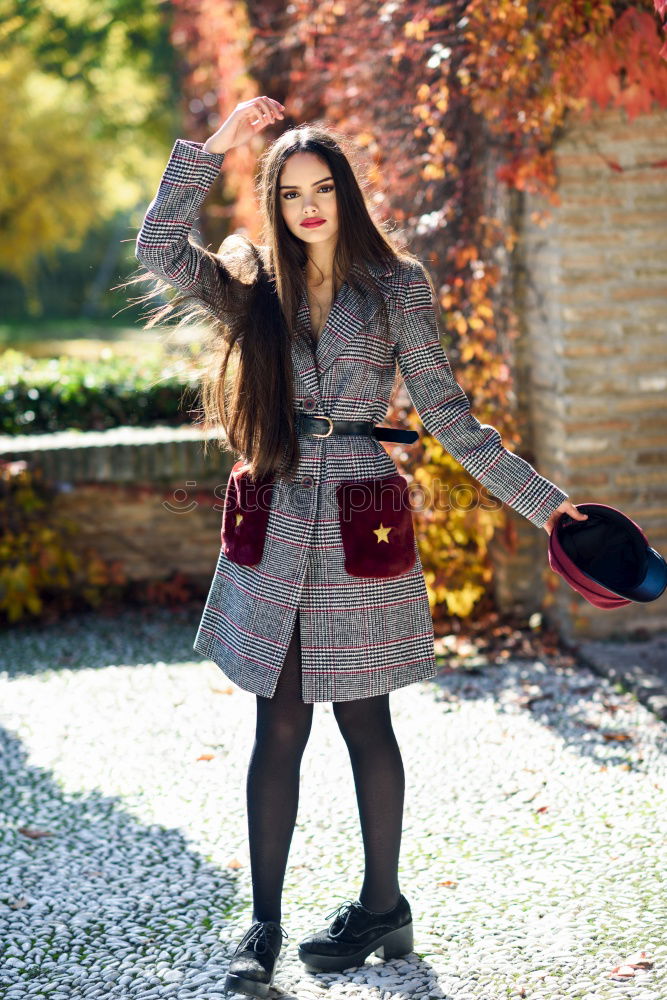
<point x="591" y="363"/>
<point x="148" y="497"/>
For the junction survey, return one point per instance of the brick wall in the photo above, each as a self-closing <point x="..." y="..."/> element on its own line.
<point x="144" y="496"/>
<point x="591" y="363"/>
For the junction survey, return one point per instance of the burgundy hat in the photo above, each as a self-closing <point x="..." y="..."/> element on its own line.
<point x="606" y="558"/>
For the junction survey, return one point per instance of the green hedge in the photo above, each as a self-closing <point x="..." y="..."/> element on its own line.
<point x="51" y="394"/>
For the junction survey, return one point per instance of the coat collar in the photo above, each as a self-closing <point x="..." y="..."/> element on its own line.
<point x="350" y="312"/>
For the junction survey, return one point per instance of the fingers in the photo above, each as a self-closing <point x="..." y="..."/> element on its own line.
<point x="268" y="110"/>
<point x="567" y="507"/>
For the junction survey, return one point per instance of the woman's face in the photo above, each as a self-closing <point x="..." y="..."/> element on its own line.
<point x="306" y="192"/>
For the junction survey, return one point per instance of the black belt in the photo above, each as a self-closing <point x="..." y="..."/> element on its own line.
<point x="308" y="423"/>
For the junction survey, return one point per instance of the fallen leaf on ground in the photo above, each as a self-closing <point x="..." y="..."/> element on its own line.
<point x="626" y="970"/>
<point x="29" y="831"/>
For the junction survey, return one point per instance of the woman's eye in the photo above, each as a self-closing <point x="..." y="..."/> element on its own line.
<point x="323" y="187"/>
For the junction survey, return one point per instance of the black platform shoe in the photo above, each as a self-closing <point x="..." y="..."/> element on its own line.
<point x="253" y="963"/>
<point x="354" y="933"/>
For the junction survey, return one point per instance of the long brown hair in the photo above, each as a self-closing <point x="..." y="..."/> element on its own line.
<point x="250" y="309"/>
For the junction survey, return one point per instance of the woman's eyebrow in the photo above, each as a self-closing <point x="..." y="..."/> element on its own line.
<point x="329" y="178"/>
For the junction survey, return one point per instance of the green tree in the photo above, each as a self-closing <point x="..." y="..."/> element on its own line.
<point x="89" y="96"/>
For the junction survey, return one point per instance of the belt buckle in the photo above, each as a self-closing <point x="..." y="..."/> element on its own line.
<point x="318" y="417"/>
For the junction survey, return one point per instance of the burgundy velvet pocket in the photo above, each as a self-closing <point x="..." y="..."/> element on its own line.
<point x="376" y="526"/>
<point x="245" y="515"/>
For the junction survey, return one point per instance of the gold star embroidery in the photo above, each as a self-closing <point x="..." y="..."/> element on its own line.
<point x="382" y="531"/>
<point x="239" y="518"/>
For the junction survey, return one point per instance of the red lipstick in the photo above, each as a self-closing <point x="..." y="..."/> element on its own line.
<point x="312" y="222"/>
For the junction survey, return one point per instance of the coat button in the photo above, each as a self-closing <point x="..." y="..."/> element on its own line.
<point x="308" y="481"/>
<point x="309" y="403"/>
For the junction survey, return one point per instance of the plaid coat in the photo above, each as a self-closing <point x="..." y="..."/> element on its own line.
<point x="365" y="620"/>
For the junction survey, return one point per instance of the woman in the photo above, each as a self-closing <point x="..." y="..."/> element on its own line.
<point x="318" y="593"/>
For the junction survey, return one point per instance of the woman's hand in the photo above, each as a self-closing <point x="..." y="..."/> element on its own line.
<point x="567" y="507"/>
<point x="247" y="119"/>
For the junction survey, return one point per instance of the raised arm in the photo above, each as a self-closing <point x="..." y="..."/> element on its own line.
<point x="445" y="411"/>
<point x="163" y="242"/>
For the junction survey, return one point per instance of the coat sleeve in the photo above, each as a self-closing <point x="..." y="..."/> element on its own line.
<point x="163" y="243"/>
<point x="445" y="411"/>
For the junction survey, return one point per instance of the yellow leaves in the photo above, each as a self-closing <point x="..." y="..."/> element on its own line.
<point x="8" y="27"/>
<point x="17" y="577"/>
<point x="433" y="104"/>
<point x="64" y="168"/>
<point x="16" y="592"/>
<point x="529" y="49"/>
<point x="74" y="11"/>
<point x="459" y="323"/>
<point x="38" y="566"/>
<point x="433" y="171"/>
<point x="417" y="29"/>
<point x="461" y="602"/>
<point x="442" y="147"/>
<point x="464" y="75"/>
<point x="453" y="532"/>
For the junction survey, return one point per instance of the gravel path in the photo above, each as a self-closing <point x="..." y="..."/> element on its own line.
<point x="533" y="852"/>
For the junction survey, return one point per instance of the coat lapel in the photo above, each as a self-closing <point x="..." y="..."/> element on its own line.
<point x="350" y="312"/>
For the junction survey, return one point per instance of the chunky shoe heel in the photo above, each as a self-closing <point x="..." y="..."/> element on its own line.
<point x="396" y="944"/>
<point x="354" y="933"/>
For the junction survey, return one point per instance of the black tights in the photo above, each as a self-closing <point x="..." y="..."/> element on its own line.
<point x="283" y="728"/>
